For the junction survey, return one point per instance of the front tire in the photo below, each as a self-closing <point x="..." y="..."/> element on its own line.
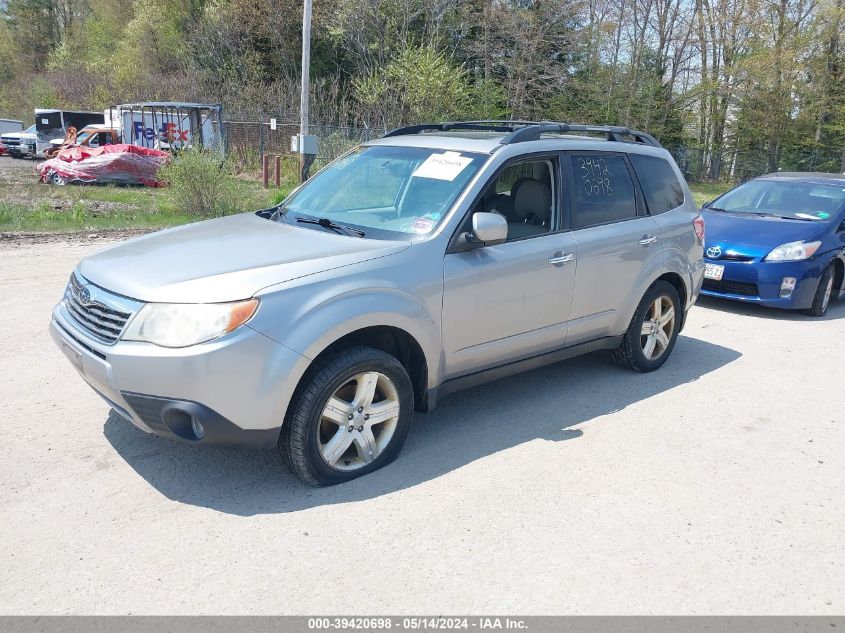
<point x="821" y="300"/>
<point x="653" y="330"/>
<point x="349" y="417"/>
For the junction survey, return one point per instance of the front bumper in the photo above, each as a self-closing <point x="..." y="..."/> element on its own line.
<point x="760" y="282"/>
<point x="236" y="387"/>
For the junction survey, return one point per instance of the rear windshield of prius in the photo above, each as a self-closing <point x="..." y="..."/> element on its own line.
<point x="386" y="192"/>
<point x="794" y="200"/>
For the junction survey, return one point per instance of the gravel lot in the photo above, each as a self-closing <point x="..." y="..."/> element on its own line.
<point x="714" y="485"/>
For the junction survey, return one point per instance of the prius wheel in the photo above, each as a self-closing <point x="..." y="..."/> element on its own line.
<point x="821" y="300"/>
<point x="350" y="416"/>
<point x="653" y="330"/>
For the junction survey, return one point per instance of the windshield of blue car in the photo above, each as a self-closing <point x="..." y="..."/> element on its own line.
<point x="386" y="192"/>
<point x="794" y="200"/>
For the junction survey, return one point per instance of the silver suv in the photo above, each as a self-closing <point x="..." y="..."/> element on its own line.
<point x="430" y="260"/>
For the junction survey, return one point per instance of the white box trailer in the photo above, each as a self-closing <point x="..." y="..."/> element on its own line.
<point x="171" y="125"/>
<point x="53" y="124"/>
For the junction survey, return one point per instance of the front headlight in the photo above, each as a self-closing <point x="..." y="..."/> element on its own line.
<point x="793" y="252"/>
<point x="184" y="324"/>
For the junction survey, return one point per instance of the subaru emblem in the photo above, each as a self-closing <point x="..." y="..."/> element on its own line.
<point x="85" y="296"/>
<point x="714" y="252"/>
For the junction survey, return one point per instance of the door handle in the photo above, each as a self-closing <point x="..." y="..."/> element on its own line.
<point x="647" y="240"/>
<point x="560" y="258"/>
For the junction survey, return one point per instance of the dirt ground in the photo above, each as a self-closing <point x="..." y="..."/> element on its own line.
<point x="712" y="486"/>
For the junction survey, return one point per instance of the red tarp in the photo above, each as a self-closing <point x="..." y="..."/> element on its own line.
<point x="128" y="164"/>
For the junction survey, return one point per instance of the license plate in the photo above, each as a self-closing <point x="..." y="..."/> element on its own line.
<point x="713" y="271"/>
<point x="73" y="356"/>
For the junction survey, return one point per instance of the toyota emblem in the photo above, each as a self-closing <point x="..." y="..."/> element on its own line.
<point x="714" y="252"/>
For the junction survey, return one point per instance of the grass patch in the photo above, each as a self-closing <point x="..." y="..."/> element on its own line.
<point x="41" y="207"/>
<point x="706" y="191"/>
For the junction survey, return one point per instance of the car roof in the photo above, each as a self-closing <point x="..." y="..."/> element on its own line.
<point x="490" y="135"/>
<point x="482" y="143"/>
<point x="817" y="177"/>
<point x="488" y="143"/>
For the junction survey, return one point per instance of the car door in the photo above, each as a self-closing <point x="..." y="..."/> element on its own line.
<point x="616" y="242"/>
<point x="512" y="300"/>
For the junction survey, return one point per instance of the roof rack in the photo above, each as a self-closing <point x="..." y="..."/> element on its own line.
<point x="481" y="126"/>
<point x="522" y="131"/>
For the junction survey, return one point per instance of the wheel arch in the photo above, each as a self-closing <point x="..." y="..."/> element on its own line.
<point x="678" y="283"/>
<point x="838" y="273"/>
<point x="392" y="340"/>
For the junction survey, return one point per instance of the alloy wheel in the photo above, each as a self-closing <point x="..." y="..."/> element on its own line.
<point x="358" y="421"/>
<point x="828" y="291"/>
<point x="657" y="328"/>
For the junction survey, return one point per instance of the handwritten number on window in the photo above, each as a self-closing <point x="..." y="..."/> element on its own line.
<point x="596" y="177"/>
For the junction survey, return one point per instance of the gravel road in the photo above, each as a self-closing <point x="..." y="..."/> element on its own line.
<point x="713" y="486"/>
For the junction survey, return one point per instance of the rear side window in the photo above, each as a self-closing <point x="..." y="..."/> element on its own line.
<point x="603" y="190"/>
<point x="661" y="188"/>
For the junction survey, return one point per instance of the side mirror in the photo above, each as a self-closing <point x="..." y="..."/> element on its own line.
<point x="488" y="229"/>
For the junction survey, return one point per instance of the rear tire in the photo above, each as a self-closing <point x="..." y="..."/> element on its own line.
<point x="349" y="417"/>
<point x="824" y="292"/>
<point x="653" y="331"/>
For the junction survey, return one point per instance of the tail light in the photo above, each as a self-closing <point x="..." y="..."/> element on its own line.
<point x="698" y="224"/>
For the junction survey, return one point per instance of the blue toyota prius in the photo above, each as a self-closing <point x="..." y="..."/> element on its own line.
<point x="779" y="241"/>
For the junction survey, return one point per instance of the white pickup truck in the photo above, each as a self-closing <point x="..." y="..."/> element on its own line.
<point x="14" y="140"/>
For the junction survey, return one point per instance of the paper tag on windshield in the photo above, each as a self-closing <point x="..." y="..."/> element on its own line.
<point x="445" y="166"/>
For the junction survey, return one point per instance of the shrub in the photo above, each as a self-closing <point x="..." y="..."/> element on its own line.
<point x="201" y="183"/>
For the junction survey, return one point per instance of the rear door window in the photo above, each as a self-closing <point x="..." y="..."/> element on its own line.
<point x="603" y="189"/>
<point x="661" y="189"/>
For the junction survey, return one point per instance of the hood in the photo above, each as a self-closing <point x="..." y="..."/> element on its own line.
<point x="225" y="259"/>
<point x="17" y="135"/>
<point x="754" y="237"/>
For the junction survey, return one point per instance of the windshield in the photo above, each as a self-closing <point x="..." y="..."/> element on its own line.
<point x="386" y="192"/>
<point x="793" y="200"/>
<point x="30" y="130"/>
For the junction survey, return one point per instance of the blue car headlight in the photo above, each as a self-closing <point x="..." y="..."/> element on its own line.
<point x="793" y="251"/>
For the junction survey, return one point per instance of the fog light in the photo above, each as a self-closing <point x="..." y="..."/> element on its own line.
<point x="787" y="286"/>
<point x="196" y="427"/>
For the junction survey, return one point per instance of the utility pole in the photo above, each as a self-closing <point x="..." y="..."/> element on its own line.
<point x="306" y="145"/>
<point x="306" y="68"/>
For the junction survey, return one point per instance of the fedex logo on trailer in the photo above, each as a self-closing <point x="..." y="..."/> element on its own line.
<point x="169" y="132"/>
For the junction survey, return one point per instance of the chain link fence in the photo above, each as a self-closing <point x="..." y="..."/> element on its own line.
<point x="734" y="166"/>
<point x="248" y="141"/>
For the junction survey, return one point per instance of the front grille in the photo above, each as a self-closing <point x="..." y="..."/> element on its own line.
<point x="102" y="316"/>
<point x="744" y="288"/>
<point x="736" y="257"/>
<point x="12" y="142"/>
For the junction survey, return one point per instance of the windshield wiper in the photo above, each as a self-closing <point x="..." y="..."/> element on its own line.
<point x="279" y="215"/>
<point x="334" y="226"/>
<point x="767" y="214"/>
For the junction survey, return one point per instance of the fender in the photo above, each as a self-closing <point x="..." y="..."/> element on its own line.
<point x="315" y="314"/>
<point x="689" y="267"/>
<point x="648" y="275"/>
